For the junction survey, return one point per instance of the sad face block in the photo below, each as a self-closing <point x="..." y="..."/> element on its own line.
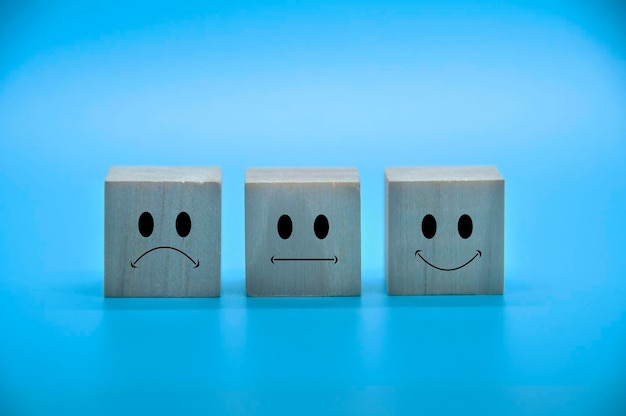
<point x="444" y="230"/>
<point x="303" y="232"/>
<point x="162" y="232"/>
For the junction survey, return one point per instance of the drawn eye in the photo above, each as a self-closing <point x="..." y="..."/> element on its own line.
<point x="145" y="224"/>
<point x="465" y="226"/>
<point x="429" y="226"/>
<point x="284" y="226"/>
<point x="183" y="224"/>
<point x="321" y="226"/>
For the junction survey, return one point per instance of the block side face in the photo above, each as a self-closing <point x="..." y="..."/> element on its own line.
<point x="302" y="175"/>
<point x="388" y="250"/>
<point x="303" y="264"/>
<point x="443" y="174"/>
<point x="164" y="174"/>
<point x="446" y="263"/>
<point x="163" y="263"/>
<point x="402" y="226"/>
<point x="386" y="225"/>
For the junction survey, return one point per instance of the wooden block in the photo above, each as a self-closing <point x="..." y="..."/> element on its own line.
<point x="444" y="230"/>
<point x="162" y="232"/>
<point x="303" y="232"/>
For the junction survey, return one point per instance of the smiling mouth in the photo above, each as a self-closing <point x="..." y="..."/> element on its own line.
<point x="133" y="264"/>
<point x="275" y="259"/>
<point x="478" y="254"/>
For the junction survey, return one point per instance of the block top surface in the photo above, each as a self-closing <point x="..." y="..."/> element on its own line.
<point x="164" y="174"/>
<point x="443" y="173"/>
<point x="302" y="175"/>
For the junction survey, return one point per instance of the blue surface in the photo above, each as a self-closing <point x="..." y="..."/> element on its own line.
<point x="537" y="89"/>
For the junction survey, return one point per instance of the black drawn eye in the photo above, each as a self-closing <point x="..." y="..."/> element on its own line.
<point x="429" y="226"/>
<point x="284" y="226"/>
<point x="183" y="224"/>
<point x="145" y="224"/>
<point x="321" y="226"/>
<point x="465" y="226"/>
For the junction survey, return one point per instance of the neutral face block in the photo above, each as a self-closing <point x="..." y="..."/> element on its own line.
<point x="444" y="231"/>
<point x="162" y="232"/>
<point x="303" y="232"/>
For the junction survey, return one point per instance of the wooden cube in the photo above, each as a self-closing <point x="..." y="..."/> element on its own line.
<point x="303" y="232"/>
<point x="162" y="232"/>
<point x="444" y="230"/>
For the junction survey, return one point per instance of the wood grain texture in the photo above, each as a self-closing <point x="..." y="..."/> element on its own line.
<point x="163" y="263"/>
<point x="446" y="263"/>
<point x="303" y="264"/>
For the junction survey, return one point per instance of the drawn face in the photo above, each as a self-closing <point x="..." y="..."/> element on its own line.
<point x="146" y="227"/>
<point x="302" y="235"/>
<point x="444" y="231"/>
<point x="429" y="230"/>
<point x="321" y="228"/>
<point x="163" y="233"/>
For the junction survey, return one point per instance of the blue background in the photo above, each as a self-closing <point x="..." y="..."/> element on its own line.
<point x="536" y="88"/>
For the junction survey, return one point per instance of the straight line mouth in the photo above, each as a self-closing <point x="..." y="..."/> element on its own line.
<point x="333" y="259"/>
<point x="478" y="254"/>
<point x="133" y="264"/>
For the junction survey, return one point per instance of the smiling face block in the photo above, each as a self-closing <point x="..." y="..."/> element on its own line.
<point x="162" y="232"/>
<point x="444" y="230"/>
<point x="303" y="232"/>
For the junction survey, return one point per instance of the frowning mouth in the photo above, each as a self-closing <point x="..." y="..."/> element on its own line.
<point x="478" y="254"/>
<point x="133" y="264"/>
<point x="333" y="259"/>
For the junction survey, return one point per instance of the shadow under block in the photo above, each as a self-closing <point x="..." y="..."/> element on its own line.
<point x="162" y="232"/>
<point x="444" y="230"/>
<point x="303" y="232"/>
